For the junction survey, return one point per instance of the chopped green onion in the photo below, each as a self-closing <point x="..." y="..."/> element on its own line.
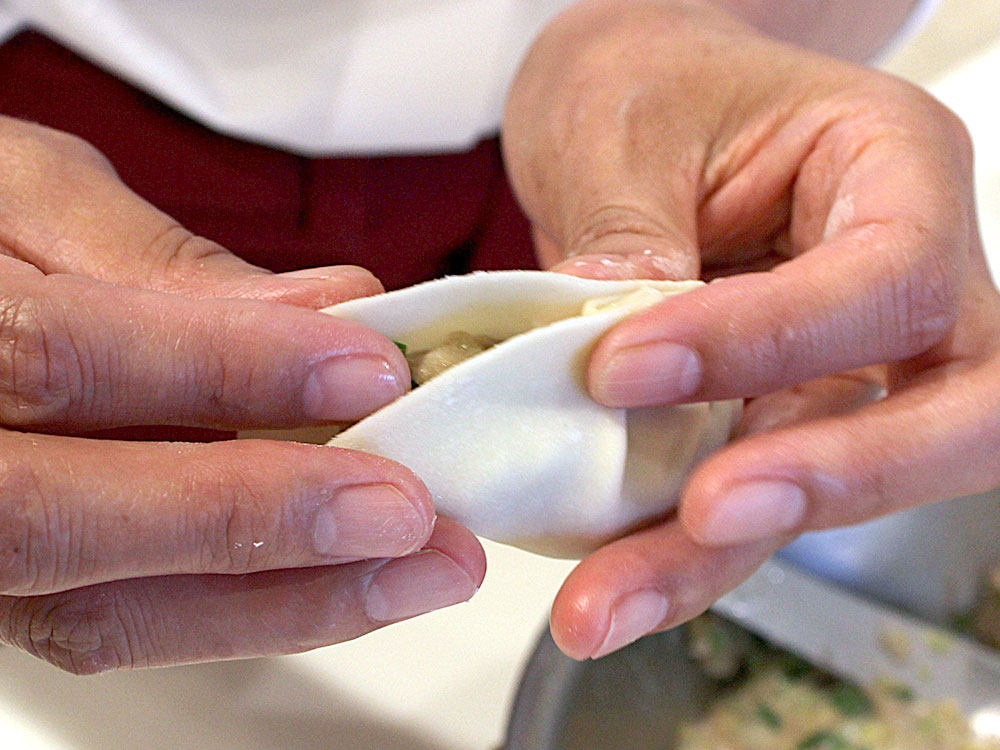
<point x="402" y="348"/>
<point x="768" y="716"/>
<point x="851" y="701"/>
<point x="795" y="668"/>
<point x="928" y="725"/>
<point x="902" y="693"/>
<point x="824" y="740"/>
<point x="939" y="641"/>
<point x="963" y="622"/>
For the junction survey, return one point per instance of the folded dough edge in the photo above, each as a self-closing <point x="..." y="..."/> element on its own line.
<point x="509" y="442"/>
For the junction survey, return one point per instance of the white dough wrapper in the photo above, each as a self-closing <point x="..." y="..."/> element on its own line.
<point x="509" y="442"/>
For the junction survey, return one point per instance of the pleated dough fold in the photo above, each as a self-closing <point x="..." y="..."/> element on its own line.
<point x="508" y="442"/>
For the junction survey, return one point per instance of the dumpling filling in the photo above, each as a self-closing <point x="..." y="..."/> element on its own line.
<point x="775" y="701"/>
<point x="510" y="443"/>
<point x="456" y="348"/>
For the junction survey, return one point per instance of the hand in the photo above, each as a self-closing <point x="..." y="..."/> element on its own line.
<point x="117" y="554"/>
<point x="665" y="139"/>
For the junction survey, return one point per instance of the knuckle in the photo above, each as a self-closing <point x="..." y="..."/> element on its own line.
<point x="851" y="476"/>
<point x="219" y="379"/>
<point x="178" y="252"/>
<point x="782" y="347"/>
<point x="233" y="537"/>
<point x="34" y="533"/>
<point x="961" y="138"/>
<point x="81" y="633"/>
<point x="69" y="147"/>
<point x="41" y="154"/>
<point x="924" y="297"/>
<point x="610" y="222"/>
<point x="937" y="112"/>
<point x="16" y="543"/>
<point x="953" y="129"/>
<point x="42" y="365"/>
<point x="234" y="527"/>
<point x="867" y="490"/>
<point x="928" y="116"/>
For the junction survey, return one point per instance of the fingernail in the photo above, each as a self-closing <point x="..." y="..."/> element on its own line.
<point x="416" y="584"/>
<point x="603" y="267"/>
<point x="350" y="387"/>
<point x="661" y="372"/>
<point x="755" y="510"/>
<point x="372" y="520"/>
<point x="323" y="272"/>
<point x="632" y="617"/>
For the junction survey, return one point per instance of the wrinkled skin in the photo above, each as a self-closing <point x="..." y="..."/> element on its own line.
<point x="117" y="554"/>
<point x="668" y="140"/>
<point x="660" y="139"/>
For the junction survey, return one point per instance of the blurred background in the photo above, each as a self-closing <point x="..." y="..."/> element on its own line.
<point x="446" y="680"/>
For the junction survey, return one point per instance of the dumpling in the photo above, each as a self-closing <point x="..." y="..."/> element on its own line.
<point x="508" y="441"/>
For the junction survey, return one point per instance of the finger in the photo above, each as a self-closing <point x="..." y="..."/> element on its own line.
<point x="643" y="263"/>
<point x="934" y="441"/>
<point x="883" y="241"/>
<point x="78" y="354"/>
<point x="660" y="578"/>
<point x="604" y="221"/>
<point x="595" y="184"/>
<point x="184" y="619"/>
<point x="76" y="511"/>
<point x="312" y="288"/>
<point x="824" y="397"/>
<point x="650" y="581"/>
<point x="646" y="263"/>
<point x="753" y="334"/>
<point x="11" y="267"/>
<point x="66" y="211"/>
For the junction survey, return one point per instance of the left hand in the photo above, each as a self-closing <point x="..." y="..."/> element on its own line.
<point x="664" y="139"/>
<point x="121" y="555"/>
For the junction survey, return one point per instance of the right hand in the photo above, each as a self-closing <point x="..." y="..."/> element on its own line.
<point x="664" y="139"/>
<point x="116" y="555"/>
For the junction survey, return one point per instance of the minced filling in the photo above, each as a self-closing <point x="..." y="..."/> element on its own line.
<point x="460" y="345"/>
<point x="983" y="621"/>
<point x="773" y="700"/>
<point x="455" y="349"/>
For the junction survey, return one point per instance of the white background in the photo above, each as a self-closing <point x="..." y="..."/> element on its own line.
<point x="443" y="681"/>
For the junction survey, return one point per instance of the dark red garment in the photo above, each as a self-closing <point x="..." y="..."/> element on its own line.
<point x="405" y="218"/>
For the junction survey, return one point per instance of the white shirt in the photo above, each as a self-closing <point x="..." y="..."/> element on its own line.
<point x="312" y="76"/>
<point x="443" y="681"/>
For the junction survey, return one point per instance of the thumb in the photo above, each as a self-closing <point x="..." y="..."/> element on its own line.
<point x="625" y="243"/>
<point x="604" y="212"/>
<point x="312" y="288"/>
<point x="71" y="214"/>
<point x="608" y="175"/>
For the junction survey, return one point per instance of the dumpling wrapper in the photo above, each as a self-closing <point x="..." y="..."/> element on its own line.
<point x="508" y="442"/>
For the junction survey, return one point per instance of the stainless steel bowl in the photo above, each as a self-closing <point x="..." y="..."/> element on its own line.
<point x="639" y="697"/>
<point x="643" y="693"/>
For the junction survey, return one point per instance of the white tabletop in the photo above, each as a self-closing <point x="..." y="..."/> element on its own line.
<point x="444" y="681"/>
<point x="441" y="681"/>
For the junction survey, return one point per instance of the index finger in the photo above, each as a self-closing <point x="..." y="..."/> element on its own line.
<point x="81" y="355"/>
<point x="66" y="211"/>
<point x="881" y="222"/>
<point x="182" y="619"/>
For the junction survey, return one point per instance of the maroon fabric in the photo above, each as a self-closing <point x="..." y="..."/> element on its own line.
<point x="406" y="218"/>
